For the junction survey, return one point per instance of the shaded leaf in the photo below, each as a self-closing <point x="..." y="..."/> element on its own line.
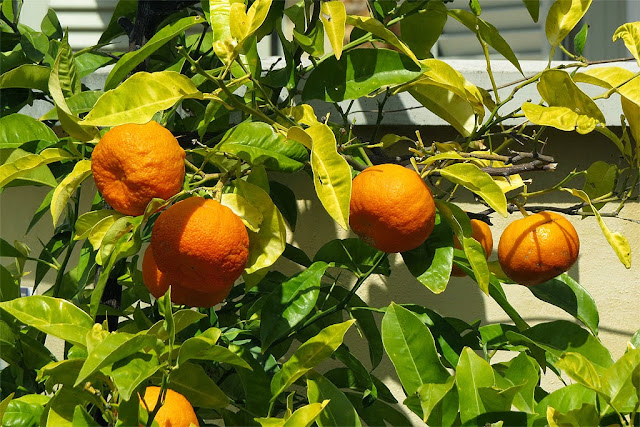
<point x="192" y="381"/>
<point x="420" y="31"/>
<point x="339" y="411"/>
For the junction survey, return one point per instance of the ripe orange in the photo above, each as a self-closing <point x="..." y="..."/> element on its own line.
<point x="482" y="233"/>
<point x="202" y="244"/>
<point x="176" y="410"/>
<point x="391" y="208"/>
<point x="158" y="283"/>
<point x="133" y="164"/>
<point x="538" y="248"/>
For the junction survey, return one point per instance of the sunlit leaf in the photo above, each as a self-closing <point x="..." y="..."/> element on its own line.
<point x="67" y="187"/>
<point x="28" y="76"/>
<point x="471" y="177"/>
<point x="562" y="17"/>
<point x="630" y="34"/>
<point x="420" y="31"/>
<point x="339" y="411"/>
<point x="333" y="15"/>
<point x="249" y="214"/>
<point x="431" y="394"/>
<point x="378" y="29"/>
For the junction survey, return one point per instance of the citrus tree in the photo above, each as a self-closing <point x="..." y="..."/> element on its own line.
<point x="182" y="142"/>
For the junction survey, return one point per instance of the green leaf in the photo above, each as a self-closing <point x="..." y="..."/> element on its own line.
<point x="331" y="174"/>
<point x="114" y="347"/>
<point x="192" y="381"/>
<point x="23" y="412"/>
<point x="431" y="262"/>
<point x="308" y="355"/>
<point x="249" y="214"/>
<point x="630" y="35"/>
<point x="580" y="39"/>
<point x="378" y="29"/>
<point x="339" y="411"/>
<point x="533" y="7"/>
<point x="333" y="15"/>
<point x="50" y="25"/>
<point x="565" y="399"/>
<point x="601" y="179"/>
<point x="62" y="406"/>
<point x="358" y="73"/>
<point x="67" y="187"/>
<point x="290" y="303"/>
<point x="313" y="43"/>
<point x="88" y="221"/>
<point x="9" y="287"/>
<point x="22" y="168"/>
<point x="411" y="348"/>
<point x="431" y="394"/>
<point x="124" y="8"/>
<point x="586" y="415"/>
<point x="140" y="97"/>
<point x="620" y="79"/>
<point x="302" y="417"/>
<point x="3" y="405"/>
<point x="617" y="241"/>
<point x="472" y="178"/>
<point x="632" y="114"/>
<point x="79" y="103"/>
<point x="580" y="369"/>
<point x="618" y="382"/>
<point x="562" y="17"/>
<point x="28" y="76"/>
<point x="258" y="143"/>
<point x="130" y="60"/>
<point x="560" y="336"/>
<point x="53" y="316"/>
<point x="487" y="32"/>
<point x="562" y="118"/>
<point x="523" y="368"/>
<point x="569" y="295"/>
<point x="81" y="418"/>
<point x="473" y="373"/>
<point x="17" y="129"/>
<point x="285" y="200"/>
<point x="35" y="45"/>
<point x="352" y="254"/>
<point x="420" y="31"/>
<point x="265" y="246"/>
<point x="378" y="412"/>
<point x="128" y="373"/>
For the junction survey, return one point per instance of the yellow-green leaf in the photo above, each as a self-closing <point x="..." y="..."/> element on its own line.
<point x="14" y="169"/>
<point x="265" y="246"/>
<point x="558" y="117"/>
<point x="333" y="15"/>
<point x="630" y="34"/>
<point x="89" y="220"/>
<point x="302" y="114"/>
<point x="632" y="113"/>
<point x="139" y="97"/>
<point x="450" y="107"/>
<point x="219" y="17"/>
<point x="626" y="81"/>
<point x="376" y="28"/>
<point x="618" y="242"/>
<point x="65" y="189"/>
<point x="471" y="177"/>
<point x="331" y="174"/>
<point x="563" y="16"/>
<point x="99" y="230"/>
<point x="302" y="417"/>
<point x="249" y="214"/>
<point x="296" y="133"/>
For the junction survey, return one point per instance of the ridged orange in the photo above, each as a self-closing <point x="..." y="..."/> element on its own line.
<point x="538" y="248"/>
<point x="391" y="208"/>
<point x="133" y="164"/>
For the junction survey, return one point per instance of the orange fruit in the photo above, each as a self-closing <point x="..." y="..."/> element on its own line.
<point x="158" y="283"/>
<point x="482" y="233"/>
<point x="176" y="410"/>
<point x="391" y="208"/>
<point x="538" y="248"/>
<point x="133" y="164"/>
<point x="201" y="243"/>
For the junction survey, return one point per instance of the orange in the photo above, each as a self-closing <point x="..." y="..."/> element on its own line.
<point x="133" y="164"/>
<point x="391" y="208"/>
<point x="158" y="283"/>
<point x="201" y="243"/>
<point x="538" y="248"/>
<point x="176" y="410"/>
<point x="482" y="233"/>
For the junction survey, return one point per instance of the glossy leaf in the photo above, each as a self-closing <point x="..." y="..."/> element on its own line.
<point x="50" y="25"/>
<point x="87" y="222"/>
<point x="472" y="374"/>
<point x="560" y="336"/>
<point x="580" y="39"/>
<point x="9" y="287"/>
<point x="431" y="262"/>
<point x="128" y="373"/>
<point x="580" y="369"/>
<point x="53" y="316"/>
<point x="378" y="412"/>
<point x="352" y="254"/>
<point x="67" y="187"/>
<point x="358" y="73"/>
<point x="617" y="241"/>
<point x="249" y="214"/>
<point x="114" y="347"/>
<point x="565" y="399"/>
<point x="471" y="177"/>
<point x="562" y="118"/>
<point x="128" y="62"/>
<point x="559" y="90"/>
<point x="569" y="295"/>
<point x="432" y="394"/>
<point x="140" y="97"/>
<point x="630" y="35"/>
<point x="24" y="411"/>
<point x="285" y="200"/>
<point x="81" y="102"/>
<point x="20" y="167"/>
<point x="601" y="179"/>
<point x="258" y="143"/>
<point x="308" y="355"/>
<point x="620" y="381"/>
<point x="265" y="246"/>
<point x="333" y="15"/>
<point x="17" y="129"/>
<point x="61" y="407"/>
<point x="302" y="417"/>
<point x="28" y="76"/>
<point x="339" y="411"/>
<point x="81" y="418"/>
<point x="562" y="17"/>
<point x="487" y="32"/>
<point x="420" y="31"/>
<point x="586" y="415"/>
<point x="533" y="7"/>
<point x="620" y="79"/>
<point x="192" y="381"/>
<point x="378" y="29"/>
<point x="411" y="348"/>
<point x="632" y="113"/>
<point x="290" y="303"/>
<point x="331" y="174"/>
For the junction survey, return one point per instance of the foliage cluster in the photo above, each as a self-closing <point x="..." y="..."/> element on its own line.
<point x="258" y="358"/>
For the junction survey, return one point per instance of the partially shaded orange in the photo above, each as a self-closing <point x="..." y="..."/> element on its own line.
<point x="176" y="410"/>
<point x="482" y="233"/>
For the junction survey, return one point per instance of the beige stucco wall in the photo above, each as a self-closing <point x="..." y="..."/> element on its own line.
<point x="615" y="289"/>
